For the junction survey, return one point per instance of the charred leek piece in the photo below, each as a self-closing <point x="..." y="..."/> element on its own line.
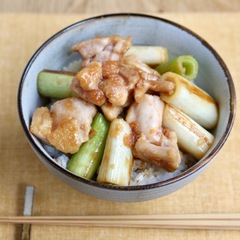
<point x="151" y="55"/>
<point x="55" y="84"/>
<point x="86" y="161"/>
<point x="186" y="66"/>
<point x="191" y="100"/>
<point x="117" y="160"/>
<point x="192" y="138"/>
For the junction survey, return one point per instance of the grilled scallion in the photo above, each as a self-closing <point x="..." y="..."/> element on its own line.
<point x="186" y="66"/>
<point x="86" y="161"/>
<point x="55" y="84"/>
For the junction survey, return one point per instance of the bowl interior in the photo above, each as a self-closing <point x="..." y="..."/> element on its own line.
<point x="213" y="75"/>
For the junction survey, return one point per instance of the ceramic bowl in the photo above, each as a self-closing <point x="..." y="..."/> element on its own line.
<point x="213" y="77"/>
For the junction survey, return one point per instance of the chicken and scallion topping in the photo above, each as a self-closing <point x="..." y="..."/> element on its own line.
<point x="127" y="108"/>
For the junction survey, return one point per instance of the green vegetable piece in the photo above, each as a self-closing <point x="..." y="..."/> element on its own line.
<point x="55" y="84"/>
<point x="186" y="66"/>
<point x="86" y="161"/>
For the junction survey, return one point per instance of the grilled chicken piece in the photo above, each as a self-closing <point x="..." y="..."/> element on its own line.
<point x="110" y="84"/>
<point x="66" y="125"/>
<point x="41" y="124"/>
<point x="153" y="143"/>
<point x="103" y="49"/>
<point x="144" y="86"/>
<point x="111" y="112"/>
<point x="149" y="78"/>
<point x="147" y="117"/>
<point x="87" y="83"/>
<point x="90" y="76"/>
<point x="115" y="90"/>
<point x="146" y="72"/>
<point x="95" y="96"/>
<point x="166" y="156"/>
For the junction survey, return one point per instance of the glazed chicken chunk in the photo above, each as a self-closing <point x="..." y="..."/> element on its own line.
<point x="153" y="144"/>
<point x="103" y="49"/>
<point x="66" y="125"/>
<point x="41" y="125"/>
<point x="109" y="79"/>
<point x="149" y="78"/>
<point x="147" y="116"/>
<point x="166" y="156"/>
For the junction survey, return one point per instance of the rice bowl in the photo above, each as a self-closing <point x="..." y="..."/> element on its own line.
<point x="123" y="24"/>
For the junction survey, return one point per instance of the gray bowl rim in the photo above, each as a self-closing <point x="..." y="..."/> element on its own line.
<point x="199" y="165"/>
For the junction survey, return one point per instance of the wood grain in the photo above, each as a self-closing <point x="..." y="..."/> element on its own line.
<point x="110" y="6"/>
<point x="169" y="221"/>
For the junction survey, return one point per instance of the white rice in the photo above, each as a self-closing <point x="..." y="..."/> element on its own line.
<point x="145" y="173"/>
<point x="60" y="158"/>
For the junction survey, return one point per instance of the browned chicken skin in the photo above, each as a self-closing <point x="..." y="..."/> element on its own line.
<point x="103" y="49"/>
<point x="153" y="143"/>
<point x="109" y="79"/>
<point x="66" y="125"/>
<point x="166" y="155"/>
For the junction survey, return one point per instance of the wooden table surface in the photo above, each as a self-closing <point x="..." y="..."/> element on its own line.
<point x="215" y="191"/>
<point x="107" y="6"/>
